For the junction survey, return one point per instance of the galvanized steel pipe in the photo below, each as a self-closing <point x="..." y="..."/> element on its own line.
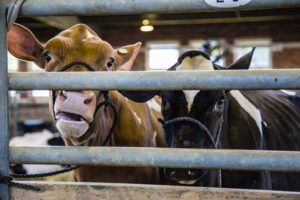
<point x="159" y="157"/>
<point x="156" y="80"/>
<point x="117" y="7"/>
<point x="4" y="116"/>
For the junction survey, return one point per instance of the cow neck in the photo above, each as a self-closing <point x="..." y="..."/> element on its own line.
<point x="107" y="113"/>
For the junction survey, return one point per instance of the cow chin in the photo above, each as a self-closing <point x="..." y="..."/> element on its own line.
<point x="74" y="129"/>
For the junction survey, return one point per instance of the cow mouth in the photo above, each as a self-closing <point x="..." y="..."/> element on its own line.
<point x="71" y="117"/>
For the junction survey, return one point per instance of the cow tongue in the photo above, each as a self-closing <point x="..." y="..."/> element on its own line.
<point x="69" y="116"/>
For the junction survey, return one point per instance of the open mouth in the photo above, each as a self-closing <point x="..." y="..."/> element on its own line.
<point x="66" y="116"/>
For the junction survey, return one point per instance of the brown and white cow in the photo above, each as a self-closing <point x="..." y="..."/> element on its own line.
<point x="75" y="112"/>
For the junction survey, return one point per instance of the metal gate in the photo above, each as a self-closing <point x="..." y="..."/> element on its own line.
<point x="121" y="156"/>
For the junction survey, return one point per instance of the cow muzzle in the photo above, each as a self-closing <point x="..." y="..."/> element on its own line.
<point x="74" y="111"/>
<point x="184" y="176"/>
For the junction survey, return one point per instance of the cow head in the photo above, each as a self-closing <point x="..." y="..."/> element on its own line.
<point x="199" y="114"/>
<point x="81" y="47"/>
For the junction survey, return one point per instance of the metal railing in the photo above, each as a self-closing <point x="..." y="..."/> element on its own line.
<point x="159" y="157"/>
<point x="204" y="80"/>
<point x="212" y="80"/>
<point x="4" y="134"/>
<point x="117" y="7"/>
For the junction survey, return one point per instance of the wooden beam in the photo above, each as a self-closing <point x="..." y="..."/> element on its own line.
<point x="103" y="191"/>
<point x="59" y="22"/>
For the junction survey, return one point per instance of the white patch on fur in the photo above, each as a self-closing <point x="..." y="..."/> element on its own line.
<point x="249" y="108"/>
<point x="37" y="168"/>
<point x="288" y="92"/>
<point x="137" y="117"/>
<point x="154" y="138"/>
<point x="195" y="63"/>
<point x="190" y="182"/>
<point x="33" y="139"/>
<point x="36" y="139"/>
<point x="265" y="124"/>
<point x="190" y="96"/>
<point x="154" y="105"/>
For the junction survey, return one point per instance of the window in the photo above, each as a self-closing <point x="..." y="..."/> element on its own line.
<point x="13" y="63"/>
<point x="262" y="54"/>
<point x="212" y="47"/>
<point x="161" y="55"/>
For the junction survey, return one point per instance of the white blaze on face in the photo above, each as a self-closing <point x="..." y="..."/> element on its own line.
<point x="190" y="96"/>
<point x="195" y="63"/>
<point x="249" y="108"/>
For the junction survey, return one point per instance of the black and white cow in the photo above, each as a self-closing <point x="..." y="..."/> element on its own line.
<point x="234" y="119"/>
<point x="43" y="138"/>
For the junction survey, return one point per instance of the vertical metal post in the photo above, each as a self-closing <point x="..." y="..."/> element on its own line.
<point x="4" y="135"/>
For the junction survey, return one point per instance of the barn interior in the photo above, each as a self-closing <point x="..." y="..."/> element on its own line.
<point x="224" y="35"/>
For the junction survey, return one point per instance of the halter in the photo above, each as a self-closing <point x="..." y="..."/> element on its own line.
<point x="214" y="141"/>
<point x="106" y="102"/>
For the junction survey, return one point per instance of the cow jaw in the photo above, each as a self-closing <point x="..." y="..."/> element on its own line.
<point x="71" y="125"/>
<point x="72" y="129"/>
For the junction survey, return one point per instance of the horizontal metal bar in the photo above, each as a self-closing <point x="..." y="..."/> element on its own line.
<point x="155" y="80"/>
<point x="159" y="157"/>
<point x="96" y="7"/>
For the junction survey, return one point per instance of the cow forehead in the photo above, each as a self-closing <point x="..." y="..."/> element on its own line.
<point x="78" y="37"/>
<point x="80" y="32"/>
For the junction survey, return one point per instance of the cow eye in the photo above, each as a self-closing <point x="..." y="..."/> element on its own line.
<point x="110" y="62"/>
<point x="164" y="100"/>
<point x="220" y="102"/>
<point x="47" y="56"/>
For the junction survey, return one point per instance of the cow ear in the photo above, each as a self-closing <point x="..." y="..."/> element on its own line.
<point x="139" y="96"/>
<point x="244" y="62"/>
<point x="126" y="55"/>
<point x="24" y="45"/>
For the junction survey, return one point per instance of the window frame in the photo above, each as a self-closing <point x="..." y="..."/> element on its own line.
<point x="222" y="40"/>
<point x="254" y="42"/>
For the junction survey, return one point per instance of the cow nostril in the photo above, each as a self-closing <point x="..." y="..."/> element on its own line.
<point x="64" y="94"/>
<point x="191" y="173"/>
<point x="87" y="101"/>
<point x="88" y="97"/>
<point x="172" y="173"/>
